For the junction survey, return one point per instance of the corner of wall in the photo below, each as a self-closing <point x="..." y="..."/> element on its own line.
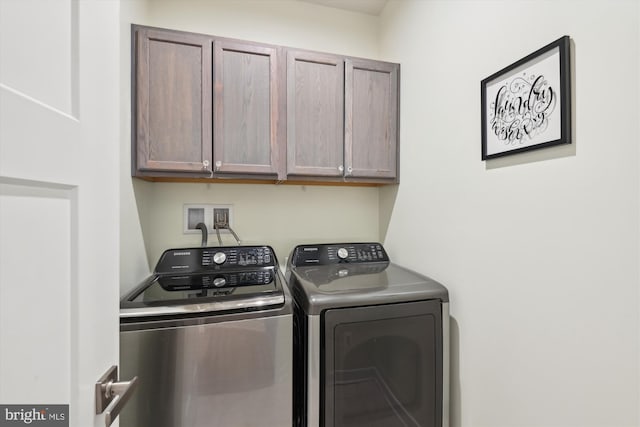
<point x="134" y="194"/>
<point x="386" y="202"/>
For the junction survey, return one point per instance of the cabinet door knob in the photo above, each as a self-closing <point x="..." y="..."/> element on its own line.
<point x="205" y="167"/>
<point x="349" y="170"/>
<point x="218" y="165"/>
<point x="340" y="168"/>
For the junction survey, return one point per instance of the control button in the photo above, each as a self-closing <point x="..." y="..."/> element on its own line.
<point x="219" y="281"/>
<point x="343" y="253"/>
<point x="219" y="258"/>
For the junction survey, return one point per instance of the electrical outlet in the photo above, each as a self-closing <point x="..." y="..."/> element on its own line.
<point x="221" y="218"/>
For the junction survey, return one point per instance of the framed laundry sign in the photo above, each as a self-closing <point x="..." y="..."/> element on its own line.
<point x="527" y="105"/>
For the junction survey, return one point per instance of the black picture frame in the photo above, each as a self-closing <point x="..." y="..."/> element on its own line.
<point x="527" y="105"/>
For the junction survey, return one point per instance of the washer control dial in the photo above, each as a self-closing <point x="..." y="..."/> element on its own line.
<point x="343" y="253"/>
<point x="219" y="258"/>
<point x="219" y="281"/>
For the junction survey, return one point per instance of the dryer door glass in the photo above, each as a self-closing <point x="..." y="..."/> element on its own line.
<point x="383" y="366"/>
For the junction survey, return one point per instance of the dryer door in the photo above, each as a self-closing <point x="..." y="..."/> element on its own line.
<point x="383" y="366"/>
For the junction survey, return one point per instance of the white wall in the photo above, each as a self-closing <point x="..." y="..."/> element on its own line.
<point x="282" y="215"/>
<point x="278" y="215"/>
<point x="134" y="264"/>
<point x="540" y="250"/>
<point x="282" y="22"/>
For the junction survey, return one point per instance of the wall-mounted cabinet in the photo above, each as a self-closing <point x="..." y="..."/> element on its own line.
<point x="342" y="117"/>
<point x="371" y="119"/>
<point x="210" y="108"/>
<point x="315" y="114"/>
<point x="172" y="94"/>
<point x="246" y="109"/>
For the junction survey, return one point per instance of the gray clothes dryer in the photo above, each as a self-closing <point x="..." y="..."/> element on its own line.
<point x="371" y="339"/>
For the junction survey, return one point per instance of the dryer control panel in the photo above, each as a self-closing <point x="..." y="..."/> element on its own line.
<point x="336" y="253"/>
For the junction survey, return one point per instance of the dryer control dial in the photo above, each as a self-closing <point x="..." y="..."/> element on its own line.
<point x="343" y="253"/>
<point x="219" y="257"/>
<point x="219" y="281"/>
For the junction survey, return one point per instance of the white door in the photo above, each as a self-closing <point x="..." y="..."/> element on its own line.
<point x="59" y="130"/>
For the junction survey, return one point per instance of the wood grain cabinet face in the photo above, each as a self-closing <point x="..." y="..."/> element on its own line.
<point x="173" y="102"/>
<point x="246" y="109"/>
<point x="315" y="114"/>
<point x="371" y="122"/>
<point x="212" y="107"/>
<point x="342" y="117"/>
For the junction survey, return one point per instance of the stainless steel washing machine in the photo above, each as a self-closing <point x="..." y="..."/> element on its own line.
<point x="209" y="336"/>
<point x="371" y="340"/>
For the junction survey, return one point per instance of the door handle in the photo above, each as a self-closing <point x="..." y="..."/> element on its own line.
<point x="112" y="395"/>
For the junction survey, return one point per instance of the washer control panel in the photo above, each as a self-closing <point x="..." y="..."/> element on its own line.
<point x="336" y="253"/>
<point x="242" y="256"/>
<point x="194" y="260"/>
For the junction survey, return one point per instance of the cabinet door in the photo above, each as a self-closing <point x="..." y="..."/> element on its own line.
<point x="173" y="103"/>
<point x="371" y="124"/>
<point x="246" y="109"/>
<point x="315" y="114"/>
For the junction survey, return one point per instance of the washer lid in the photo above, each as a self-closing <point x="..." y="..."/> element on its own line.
<point x="163" y="295"/>
<point x="320" y="287"/>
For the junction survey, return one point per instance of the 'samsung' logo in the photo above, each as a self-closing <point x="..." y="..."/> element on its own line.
<point x="41" y="416"/>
